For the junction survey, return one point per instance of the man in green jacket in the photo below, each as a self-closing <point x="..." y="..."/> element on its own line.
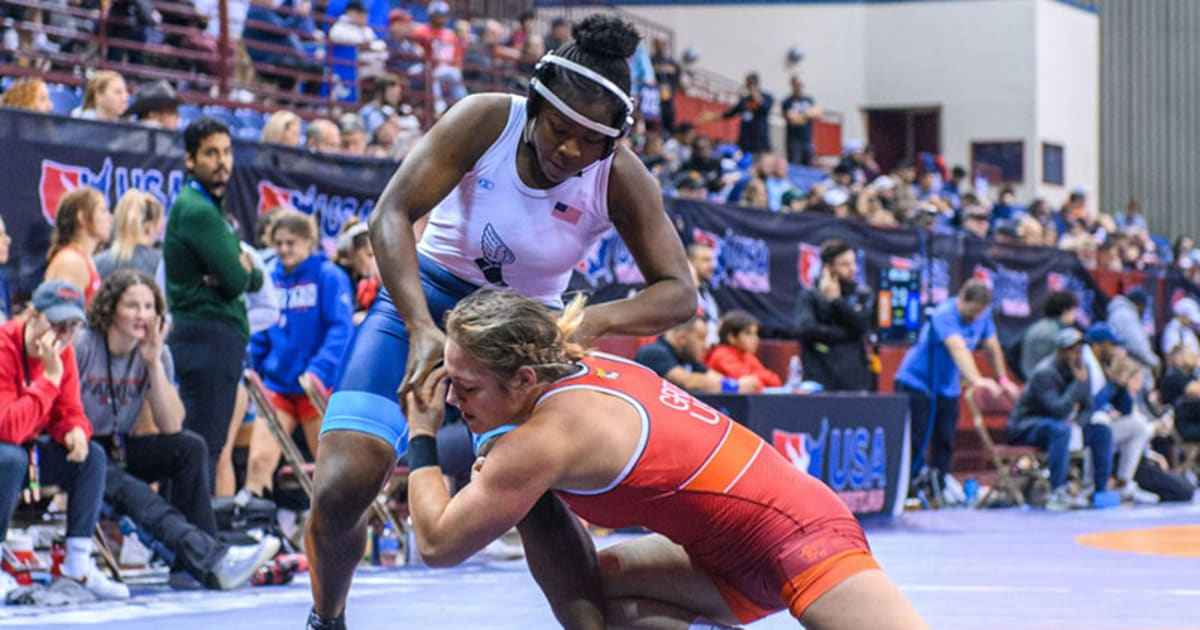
<point x="206" y="276"/>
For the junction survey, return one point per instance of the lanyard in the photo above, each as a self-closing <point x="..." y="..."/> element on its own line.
<point x="203" y="191"/>
<point x="112" y="384"/>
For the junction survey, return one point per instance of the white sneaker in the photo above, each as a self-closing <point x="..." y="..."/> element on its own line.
<point x="240" y="562"/>
<point x="1061" y="499"/>
<point x="100" y="585"/>
<point x="953" y="494"/>
<point x="1137" y="495"/>
<point x="506" y="547"/>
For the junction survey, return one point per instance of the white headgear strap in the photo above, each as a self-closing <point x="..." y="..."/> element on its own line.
<point x="570" y="112"/>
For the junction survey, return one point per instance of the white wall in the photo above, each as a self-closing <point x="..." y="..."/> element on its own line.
<point x="998" y="69"/>
<point x="736" y="39"/>
<point x="975" y="60"/>
<point x="1068" y="93"/>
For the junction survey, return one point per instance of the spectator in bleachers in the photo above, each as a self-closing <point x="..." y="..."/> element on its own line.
<point x="775" y="177"/>
<point x="1184" y="255"/>
<point x="689" y="185"/>
<point x="799" y="111"/>
<point x="322" y="136"/>
<point x="353" y="134"/>
<point x="1006" y="208"/>
<point x="351" y="29"/>
<point x="384" y="96"/>
<point x="929" y="192"/>
<point x="127" y="374"/>
<point x="1181" y="329"/>
<point x="207" y="275"/>
<point x="39" y="403"/>
<point x="155" y="105"/>
<point x="736" y="355"/>
<point x="525" y="24"/>
<point x="1115" y="382"/>
<point x="1039" y="340"/>
<point x="654" y="160"/>
<point x="954" y="184"/>
<point x="531" y="53"/>
<point x="357" y="259"/>
<point x="560" y="33"/>
<point x="28" y="93"/>
<point x="1125" y="317"/>
<point x="905" y="175"/>
<point x="105" y="97"/>
<point x="443" y="53"/>
<point x="282" y="127"/>
<point x="667" y="74"/>
<point x="859" y="159"/>
<point x="314" y="328"/>
<point x="833" y="320"/>
<point x="754" y="194"/>
<point x="754" y="107"/>
<point x="705" y="163"/>
<point x="676" y="356"/>
<point x="1058" y="395"/>
<point x="82" y="223"/>
<point x="1108" y="254"/>
<point x="678" y="147"/>
<point x="5" y="295"/>
<point x="935" y="368"/>
<point x="267" y="24"/>
<point x="1181" y="383"/>
<point x="404" y="55"/>
<point x="702" y="262"/>
<point x="976" y="220"/>
<point x="138" y="224"/>
<point x="1132" y="217"/>
<point x="132" y="21"/>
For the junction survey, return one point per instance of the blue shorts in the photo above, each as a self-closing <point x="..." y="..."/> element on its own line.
<point x="372" y="369"/>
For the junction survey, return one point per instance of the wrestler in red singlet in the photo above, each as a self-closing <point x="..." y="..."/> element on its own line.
<point x="770" y="536"/>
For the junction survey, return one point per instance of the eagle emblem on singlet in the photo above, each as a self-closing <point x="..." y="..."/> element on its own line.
<point x="495" y="255"/>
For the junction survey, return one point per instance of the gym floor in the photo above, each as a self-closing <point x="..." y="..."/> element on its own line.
<point x="1012" y="569"/>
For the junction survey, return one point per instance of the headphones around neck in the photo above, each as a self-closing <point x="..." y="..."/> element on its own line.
<point x="539" y="93"/>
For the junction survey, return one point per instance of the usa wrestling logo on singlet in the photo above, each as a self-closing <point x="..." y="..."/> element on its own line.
<point x="495" y="255"/>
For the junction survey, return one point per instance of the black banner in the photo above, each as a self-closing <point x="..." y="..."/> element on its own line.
<point x="857" y="444"/>
<point x="1023" y="277"/>
<point x="763" y="260"/>
<point x="47" y="156"/>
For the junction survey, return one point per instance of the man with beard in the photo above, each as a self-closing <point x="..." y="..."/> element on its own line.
<point x="206" y="276"/>
<point x="833" y="320"/>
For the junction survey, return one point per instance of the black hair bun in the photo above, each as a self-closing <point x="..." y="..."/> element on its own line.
<point x="607" y="35"/>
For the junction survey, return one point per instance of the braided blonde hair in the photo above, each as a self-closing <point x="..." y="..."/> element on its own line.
<point x="505" y="331"/>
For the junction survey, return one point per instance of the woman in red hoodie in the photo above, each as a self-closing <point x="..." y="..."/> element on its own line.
<point x="736" y="354"/>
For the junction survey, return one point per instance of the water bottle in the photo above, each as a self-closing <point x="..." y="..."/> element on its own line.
<point x="795" y="373"/>
<point x="971" y="490"/>
<point x="389" y="546"/>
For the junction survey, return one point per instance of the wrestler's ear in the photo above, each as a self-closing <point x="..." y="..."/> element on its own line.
<point x="525" y="378"/>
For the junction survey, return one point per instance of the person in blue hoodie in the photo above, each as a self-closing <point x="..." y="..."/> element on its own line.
<point x="315" y="325"/>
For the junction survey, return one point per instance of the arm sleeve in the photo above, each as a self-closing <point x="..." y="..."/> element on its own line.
<point x="67" y="412"/>
<point x="337" y="314"/>
<point x="723" y="359"/>
<point x="657" y="358"/>
<point x="1051" y="402"/>
<point x="737" y="108"/>
<point x="809" y="314"/>
<point x="856" y="317"/>
<point x="22" y="415"/>
<point x="209" y="237"/>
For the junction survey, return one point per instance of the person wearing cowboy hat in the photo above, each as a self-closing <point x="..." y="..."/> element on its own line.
<point x="156" y="105"/>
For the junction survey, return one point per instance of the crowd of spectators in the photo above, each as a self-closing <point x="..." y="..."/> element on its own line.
<point x="170" y="410"/>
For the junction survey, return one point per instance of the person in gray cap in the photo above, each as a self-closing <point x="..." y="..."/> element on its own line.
<point x="156" y="105"/>
<point x="45" y="438"/>
<point x="1057" y="395"/>
<point x="1181" y="330"/>
<point x="1125" y="316"/>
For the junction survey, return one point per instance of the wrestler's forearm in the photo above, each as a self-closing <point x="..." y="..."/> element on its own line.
<point x="563" y="561"/>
